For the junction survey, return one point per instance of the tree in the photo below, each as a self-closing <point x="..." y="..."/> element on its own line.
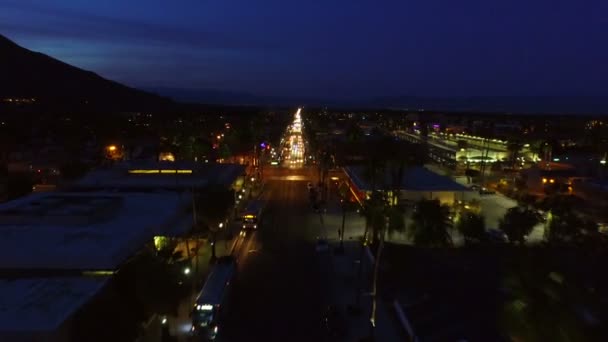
<point x="396" y="220"/>
<point x="212" y="206"/>
<point x="374" y="210"/>
<point x="225" y="151"/>
<point x="353" y="132"/>
<point x="514" y="147"/>
<point x="430" y="224"/>
<point x="517" y="223"/>
<point x="343" y="190"/>
<point x="540" y="149"/>
<point x="564" y="225"/>
<point x="73" y="170"/>
<point x="471" y="226"/>
<point x="324" y="164"/>
<point x="155" y="281"/>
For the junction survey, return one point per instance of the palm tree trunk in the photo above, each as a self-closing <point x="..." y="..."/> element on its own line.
<point x="342" y="230"/>
<point x="372" y="318"/>
<point x="360" y="269"/>
<point x="213" y="241"/>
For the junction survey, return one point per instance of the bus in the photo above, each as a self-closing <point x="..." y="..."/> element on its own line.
<point x="252" y="217"/>
<point x="206" y="314"/>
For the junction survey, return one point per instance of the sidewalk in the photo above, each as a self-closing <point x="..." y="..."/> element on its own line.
<point x="344" y="288"/>
<point x="180" y="324"/>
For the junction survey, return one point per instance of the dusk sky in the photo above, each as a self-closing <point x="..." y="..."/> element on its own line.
<point x="329" y="48"/>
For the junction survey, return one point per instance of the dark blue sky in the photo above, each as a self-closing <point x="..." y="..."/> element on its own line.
<point x="329" y="48"/>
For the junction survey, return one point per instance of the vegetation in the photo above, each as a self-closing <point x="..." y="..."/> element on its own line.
<point x="471" y="226"/>
<point x="374" y="211"/>
<point x="431" y="224"/>
<point x="514" y="148"/>
<point x="546" y="302"/>
<point x="157" y="279"/>
<point x="517" y="223"/>
<point x="212" y="207"/>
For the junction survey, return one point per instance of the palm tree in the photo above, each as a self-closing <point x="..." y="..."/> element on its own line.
<point x="324" y="166"/>
<point x="471" y="226"/>
<point x="517" y="223"/>
<point x="431" y="224"/>
<point x="343" y="189"/>
<point x="374" y="210"/>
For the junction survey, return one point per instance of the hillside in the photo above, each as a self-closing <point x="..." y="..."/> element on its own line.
<point x="29" y="74"/>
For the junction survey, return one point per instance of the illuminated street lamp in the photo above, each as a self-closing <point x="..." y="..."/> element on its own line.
<point x="221" y="225"/>
<point x="112" y="148"/>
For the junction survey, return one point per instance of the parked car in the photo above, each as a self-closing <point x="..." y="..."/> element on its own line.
<point x="486" y="191"/>
<point x="322" y="245"/>
<point x="497" y="235"/>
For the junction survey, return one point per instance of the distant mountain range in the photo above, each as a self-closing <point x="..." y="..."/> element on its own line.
<point x="215" y="96"/>
<point x="509" y="104"/>
<point x="28" y="74"/>
<point x="502" y="104"/>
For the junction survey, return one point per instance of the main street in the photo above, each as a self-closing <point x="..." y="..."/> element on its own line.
<point x="278" y="295"/>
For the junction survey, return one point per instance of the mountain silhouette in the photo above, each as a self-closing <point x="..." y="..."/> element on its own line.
<point x="29" y="74"/>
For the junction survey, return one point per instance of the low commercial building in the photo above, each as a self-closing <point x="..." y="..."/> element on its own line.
<point x="154" y="175"/>
<point x="86" y="231"/>
<point x="60" y="251"/>
<point x="415" y="184"/>
<point x="45" y="309"/>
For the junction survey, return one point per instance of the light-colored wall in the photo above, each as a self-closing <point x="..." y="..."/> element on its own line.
<point x="445" y="197"/>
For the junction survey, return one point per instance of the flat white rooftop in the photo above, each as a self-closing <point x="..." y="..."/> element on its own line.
<point x="161" y="175"/>
<point x="42" y="304"/>
<point x="85" y="231"/>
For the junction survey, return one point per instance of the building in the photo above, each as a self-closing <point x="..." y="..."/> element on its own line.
<point x="159" y="175"/>
<point x="44" y="309"/>
<point x="86" y="231"/>
<point x="417" y="183"/>
<point x="61" y="250"/>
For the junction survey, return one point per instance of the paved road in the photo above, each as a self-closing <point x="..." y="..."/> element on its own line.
<point x="277" y="294"/>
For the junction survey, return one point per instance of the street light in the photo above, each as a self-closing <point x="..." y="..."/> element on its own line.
<point x="221" y="225"/>
<point x="187" y="270"/>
